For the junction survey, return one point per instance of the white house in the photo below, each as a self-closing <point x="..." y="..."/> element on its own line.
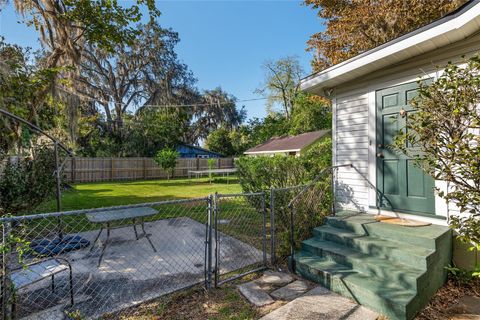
<point x="370" y="94"/>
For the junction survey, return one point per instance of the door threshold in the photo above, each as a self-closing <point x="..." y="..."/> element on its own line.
<point x="433" y="219"/>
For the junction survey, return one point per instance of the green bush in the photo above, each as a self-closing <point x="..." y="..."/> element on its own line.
<point x="167" y="160"/>
<point x="262" y="173"/>
<point x="27" y="182"/>
<point x="212" y="163"/>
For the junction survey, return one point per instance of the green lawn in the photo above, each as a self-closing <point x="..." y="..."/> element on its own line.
<point x="245" y="214"/>
<point x="104" y="194"/>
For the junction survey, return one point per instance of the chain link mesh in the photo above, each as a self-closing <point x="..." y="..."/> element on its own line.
<point x="119" y="257"/>
<point x="313" y="202"/>
<point x="241" y="234"/>
<point x="109" y="259"/>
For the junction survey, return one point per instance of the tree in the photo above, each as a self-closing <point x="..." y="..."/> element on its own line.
<point x="445" y="129"/>
<point x="216" y="109"/>
<point x="241" y="139"/>
<point x="273" y="125"/>
<point x="167" y="159"/>
<point x="66" y="25"/>
<point x="153" y="129"/>
<point x="310" y="113"/>
<point x="355" y="26"/>
<point x="281" y="84"/>
<point x="144" y="72"/>
<point x="22" y="85"/>
<point x="220" y="141"/>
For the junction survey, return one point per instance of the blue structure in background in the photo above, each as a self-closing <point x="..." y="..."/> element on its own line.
<point x="189" y="151"/>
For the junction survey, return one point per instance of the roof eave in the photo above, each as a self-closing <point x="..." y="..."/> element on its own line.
<point x="442" y="34"/>
<point x="272" y="151"/>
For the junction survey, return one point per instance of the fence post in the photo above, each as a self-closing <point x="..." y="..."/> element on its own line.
<point x="264" y="231"/>
<point x="217" y="242"/>
<point x="73" y="166"/>
<point x="273" y="257"/>
<point x="111" y="168"/>
<point x="292" y="239"/>
<point x="6" y="293"/>
<point x="208" y="244"/>
<point x="144" y="169"/>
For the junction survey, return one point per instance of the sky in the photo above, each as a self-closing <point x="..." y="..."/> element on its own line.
<point x="224" y="42"/>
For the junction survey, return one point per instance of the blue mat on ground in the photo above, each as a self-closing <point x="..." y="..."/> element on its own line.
<point x="53" y="247"/>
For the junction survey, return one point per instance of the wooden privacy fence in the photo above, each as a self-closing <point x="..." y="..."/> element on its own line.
<point x="112" y="169"/>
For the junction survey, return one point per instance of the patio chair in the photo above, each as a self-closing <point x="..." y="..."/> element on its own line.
<point x="37" y="271"/>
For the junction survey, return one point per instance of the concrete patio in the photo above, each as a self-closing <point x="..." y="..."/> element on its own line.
<point x="131" y="272"/>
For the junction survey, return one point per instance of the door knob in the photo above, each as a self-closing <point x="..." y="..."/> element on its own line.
<point x="380" y="155"/>
<point x="380" y="146"/>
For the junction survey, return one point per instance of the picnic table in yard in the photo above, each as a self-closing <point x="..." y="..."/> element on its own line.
<point x="200" y="173"/>
<point x="106" y="218"/>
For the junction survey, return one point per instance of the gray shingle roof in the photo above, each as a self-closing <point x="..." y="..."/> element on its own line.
<point x="289" y="143"/>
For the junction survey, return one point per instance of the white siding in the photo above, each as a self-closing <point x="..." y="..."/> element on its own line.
<point x="354" y="122"/>
<point x="351" y="147"/>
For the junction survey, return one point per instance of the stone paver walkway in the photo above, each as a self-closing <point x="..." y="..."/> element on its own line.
<point x="260" y="292"/>
<point x="320" y="303"/>
<point x="305" y="303"/>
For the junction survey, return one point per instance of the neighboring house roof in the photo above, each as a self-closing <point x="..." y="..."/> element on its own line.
<point x="288" y="144"/>
<point x="200" y="149"/>
<point x="453" y="27"/>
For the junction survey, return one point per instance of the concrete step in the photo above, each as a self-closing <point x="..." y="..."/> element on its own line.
<point x="386" y="297"/>
<point x="408" y="277"/>
<point x="365" y="224"/>
<point x="415" y="256"/>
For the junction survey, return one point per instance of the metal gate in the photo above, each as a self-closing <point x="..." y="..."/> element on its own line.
<point x="236" y="237"/>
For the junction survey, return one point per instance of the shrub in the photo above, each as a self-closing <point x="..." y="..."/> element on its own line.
<point x="211" y="162"/>
<point x="262" y="173"/>
<point x="27" y="182"/>
<point x="444" y="130"/>
<point x="167" y="160"/>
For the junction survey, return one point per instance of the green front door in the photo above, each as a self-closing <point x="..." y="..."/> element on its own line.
<point x="405" y="185"/>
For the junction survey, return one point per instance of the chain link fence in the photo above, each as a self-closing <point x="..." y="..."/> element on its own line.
<point x="240" y="217"/>
<point x="95" y="262"/>
<point x="295" y="211"/>
<point x="89" y="263"/>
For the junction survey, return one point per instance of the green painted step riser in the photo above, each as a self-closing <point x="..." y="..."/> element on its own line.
<point x="391" y="309"/>
<point x="377" y="230"/>
<point x="419" y="262"/>
<point x="409" y="282"/>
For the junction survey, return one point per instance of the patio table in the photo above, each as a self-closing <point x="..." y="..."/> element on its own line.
<point x="34" y="272"/>
<point x="106" y="218"/>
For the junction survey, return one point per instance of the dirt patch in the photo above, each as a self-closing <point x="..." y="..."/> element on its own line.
<point x="448" y="296"/>
<point x="225" y="302"/>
